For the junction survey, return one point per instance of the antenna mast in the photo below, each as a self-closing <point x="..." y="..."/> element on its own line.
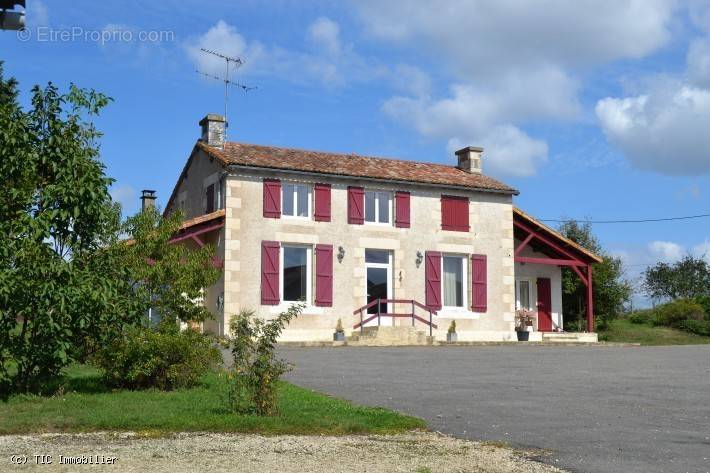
<point x="229" y="61"/>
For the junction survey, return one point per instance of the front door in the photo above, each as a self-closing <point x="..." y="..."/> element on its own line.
<point x="544" y="305"/>
<point x="378" y="269"/>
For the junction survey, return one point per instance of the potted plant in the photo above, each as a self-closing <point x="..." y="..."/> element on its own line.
<point x="339" y="335"/>
<point x="451" y="335"/>
<point x="523" y="324"/>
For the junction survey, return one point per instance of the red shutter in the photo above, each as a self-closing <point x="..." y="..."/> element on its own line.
<point x="454" y="213"/>
<point x="479" y="278"/>
<point x="432" y="272"/>
<point x="324" y="275"/>
<point x="356" y="205"/>
<point x="322" y="211"/>
<point x="401" y="200"/>
<point x="270" y="273"/>
<point x="272" y="198"/>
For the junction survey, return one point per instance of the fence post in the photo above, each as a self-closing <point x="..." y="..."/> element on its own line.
<point x="430" y="322"/>
<point x="361" y="327"/>
<point x="378" y="311"/>
<point x="412" y="312"/>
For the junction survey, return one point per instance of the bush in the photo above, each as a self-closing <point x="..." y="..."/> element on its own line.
<point x="256" y="371"/>
<point x="698" y="327"/>
<point x="642" y="317"/>
<point x="674" y="313"/>
<point x="704" y="302"/>
<point x="163" y="358"/>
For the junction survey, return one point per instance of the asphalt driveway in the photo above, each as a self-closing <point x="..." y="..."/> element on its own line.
<point x="597" y="409"/>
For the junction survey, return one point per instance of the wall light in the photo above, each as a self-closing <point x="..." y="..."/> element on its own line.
<point x="341" y="254"/>
<point x="420" y="258"/>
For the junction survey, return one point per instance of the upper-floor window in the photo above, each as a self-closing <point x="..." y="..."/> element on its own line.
<point x="378" y="207"/>
<point x="296" y="200"/>
<point x="209" y="199"/>
<point x="454" y="213"/>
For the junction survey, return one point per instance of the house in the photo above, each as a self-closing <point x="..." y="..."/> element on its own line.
<point x="370" y="241"/>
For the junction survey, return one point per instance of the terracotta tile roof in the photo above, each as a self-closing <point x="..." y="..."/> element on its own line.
<point x="532" y="221"/>
<point x="202" y="219"/>
<point x="352" y="165"/>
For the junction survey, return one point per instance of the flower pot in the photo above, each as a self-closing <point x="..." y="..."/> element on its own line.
<point x="523" y="336"/>
<point x="452" y="337"/>
<point x="339" y="337"/>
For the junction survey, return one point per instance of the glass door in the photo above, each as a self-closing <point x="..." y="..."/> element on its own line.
<point x="378" y="270"/>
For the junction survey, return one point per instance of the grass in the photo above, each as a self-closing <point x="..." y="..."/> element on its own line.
<point x="85" y="405"/>
<point x="623" y="331"/>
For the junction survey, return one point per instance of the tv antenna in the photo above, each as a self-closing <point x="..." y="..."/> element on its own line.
<point x="231" y="63"/>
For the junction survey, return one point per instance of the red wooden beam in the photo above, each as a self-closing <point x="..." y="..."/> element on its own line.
<point x="547" y="241"/>
<point x="581" y="276"/>
<point x="590" y="301"/>
<point x="551" y="261"/>
<point x="525" y="242"/>
<point x="191" y="233"/>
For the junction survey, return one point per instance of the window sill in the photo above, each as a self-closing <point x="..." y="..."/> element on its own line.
<point x="308" y="310"/>
<point x="458" y="313"/>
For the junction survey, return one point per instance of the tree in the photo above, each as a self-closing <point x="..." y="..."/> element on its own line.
<point x="610" y="290"/>
<point x="55" y="213"/>
<point x="687" y="278"/>
<point x="167" y="277"/>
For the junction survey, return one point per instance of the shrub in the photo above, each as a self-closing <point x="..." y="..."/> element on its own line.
<point x="698" y="327"/>
<point x="163" y="358"/>
<point x="256" y="371"/>
<point x="673" y="313"/>
<point x="452" y="327"/>
<point x="704" y="302"/>
<point x="642" y="317"/>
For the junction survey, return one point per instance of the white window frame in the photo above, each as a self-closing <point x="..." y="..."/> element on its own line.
<point x="390" y="277"/>
<point x="518" y="303"/>
<point x="377" y="207"/>
<point x="295" y="199"/>
<point x="309" y="272"/>
<point x="464" y="274"/>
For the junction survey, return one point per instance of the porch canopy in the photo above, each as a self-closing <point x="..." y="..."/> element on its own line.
<point x="198" y="228"/>
<point x="557" y="251"/>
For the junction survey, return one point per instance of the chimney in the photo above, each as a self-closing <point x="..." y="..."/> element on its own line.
<point x="147" y="199"/>
<point x="470" y="159"/>
<point x="213" y="130"/>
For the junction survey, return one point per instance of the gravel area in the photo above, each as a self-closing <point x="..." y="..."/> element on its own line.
<point x="189" y="452"/>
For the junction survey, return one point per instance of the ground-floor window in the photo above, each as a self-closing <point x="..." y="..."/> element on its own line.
<point x="523" y="295"/>
<point x="453" y="281"/>
<point x="296" y="273"/>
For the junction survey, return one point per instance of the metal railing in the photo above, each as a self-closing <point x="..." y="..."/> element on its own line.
<point x="379" y="314"/>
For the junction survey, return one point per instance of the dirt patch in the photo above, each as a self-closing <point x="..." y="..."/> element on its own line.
<point x="190" y="452"/>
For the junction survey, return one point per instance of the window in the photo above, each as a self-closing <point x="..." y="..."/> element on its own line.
<point x="377" y="207"/>
<point x="296" y="273"/>
<point x="453" y="281"/>
<point x="524" y="295"/>
<point x="454" y="213"/>
<point x="209" y="198"/>
<point x="296" y="200"/>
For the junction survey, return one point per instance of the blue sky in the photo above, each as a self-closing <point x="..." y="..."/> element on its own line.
<point x="592" y="109"/>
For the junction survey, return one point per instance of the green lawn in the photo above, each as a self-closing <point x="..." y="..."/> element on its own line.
<point x="86" y="406"/>
<point x="623" y="331"/>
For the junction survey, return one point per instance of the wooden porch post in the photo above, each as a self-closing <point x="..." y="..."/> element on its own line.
<point x="590" y="300"/>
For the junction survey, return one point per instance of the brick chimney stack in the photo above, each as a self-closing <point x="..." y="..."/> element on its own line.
<point x="147" y="199"/>
<point x="213" y="128"/>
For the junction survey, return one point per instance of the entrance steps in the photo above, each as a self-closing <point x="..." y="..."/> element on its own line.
<point x="569" y="337"/>
<point x="383" y="336"/>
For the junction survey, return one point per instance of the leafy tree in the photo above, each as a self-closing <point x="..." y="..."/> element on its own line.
<point x="687" y="278"/>
<point x="167" y="277"/>
<point x="611" y="291"/>
<point x="55" y="214"/>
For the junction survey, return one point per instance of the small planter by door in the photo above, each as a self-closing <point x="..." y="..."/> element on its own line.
<point x="452" y="337"/>
<point x="523" y="335"/>
<point x="339" y="336"/>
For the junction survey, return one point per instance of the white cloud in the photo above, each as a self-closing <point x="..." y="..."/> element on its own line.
<point x="665" y="130"/>
<point x="702" y="250"/>
<point x="666" y="251"/>
<point x="37" y="14"/>
<point x="511" y="63"/>
<point x="699" y="62"/>
<point x="224" y="39"/>
<point x="325" y="33"/>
